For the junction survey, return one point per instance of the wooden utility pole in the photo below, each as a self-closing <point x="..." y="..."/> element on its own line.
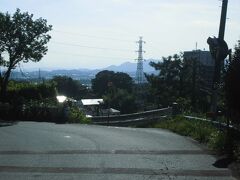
<point x="219" y="51"/>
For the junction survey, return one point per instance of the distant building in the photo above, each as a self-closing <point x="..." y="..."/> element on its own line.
<point x="94" y="107"/>
<point x="206" y="66"/>
<point x="204" y="57"/>
<point x="91" y="106"/>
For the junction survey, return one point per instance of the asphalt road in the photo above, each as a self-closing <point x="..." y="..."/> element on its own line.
<point x="30" y="150"/>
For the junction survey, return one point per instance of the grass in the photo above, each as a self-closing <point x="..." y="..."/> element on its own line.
<point x="204" y="132"/>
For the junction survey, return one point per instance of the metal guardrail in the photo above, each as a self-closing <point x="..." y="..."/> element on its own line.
<point x="132" y="122"/>
<point x="215" y="123"/>
<point x="147" y="117"/>
<point x="141" y="118"/>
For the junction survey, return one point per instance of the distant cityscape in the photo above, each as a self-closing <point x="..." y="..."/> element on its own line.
<point x="84" y="75"/>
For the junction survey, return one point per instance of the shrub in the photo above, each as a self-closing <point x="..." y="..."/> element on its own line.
<point x="217" y="140"/>
<point x="203" y="132"/>
<point x="76" y="116"/>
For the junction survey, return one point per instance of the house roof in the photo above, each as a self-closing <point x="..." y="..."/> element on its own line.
<point x="114" y="110"/>
<point x="89" y="102"/>
<point x="61" y="99"/>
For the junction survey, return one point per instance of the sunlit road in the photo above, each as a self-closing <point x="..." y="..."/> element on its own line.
<point x="30" y="150"/>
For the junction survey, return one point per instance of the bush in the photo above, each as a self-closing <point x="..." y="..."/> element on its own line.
<point x="203" y="132"/>
<point x="217" y="140"/>
<point x="76" y="116"/>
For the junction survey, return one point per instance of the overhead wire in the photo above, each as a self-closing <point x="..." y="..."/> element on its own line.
<point x="91" y="47"/>
<point x="98" y="37"/>
<point x="93" y="36"/>
<point x="84" y="55"/>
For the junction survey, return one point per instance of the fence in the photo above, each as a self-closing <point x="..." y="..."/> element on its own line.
<point x="217" y="124"/>
<point x="148" y="117"/>
<point x="134" y="119"/>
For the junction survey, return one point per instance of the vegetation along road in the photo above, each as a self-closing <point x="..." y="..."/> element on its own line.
<point x="30" y="150"/>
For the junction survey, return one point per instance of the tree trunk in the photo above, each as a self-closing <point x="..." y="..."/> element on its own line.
<point x="4" y="84"/>
<point x="194" y="75"/>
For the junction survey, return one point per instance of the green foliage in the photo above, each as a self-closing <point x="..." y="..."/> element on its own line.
<point x="28" y="91"/>
<point x="121" y="100"/>
<point x="203" y="132"/>
<point x="105" y="80"/>
<point x="23" y="39"/>
<point x="76" y="116"/>
<point x="232" y="87"/>
<point x="166" y="83"/>
<point x="116" y="89"/>
<point x="69" y="87"/>
<point x="179" y="80"/>
<point x="184" y="104"/>
<point x="217" y="140"/>
<point x="33" y="110"/>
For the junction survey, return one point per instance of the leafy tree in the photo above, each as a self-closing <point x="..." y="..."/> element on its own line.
<point x="29" y="91"/>
<point x="67" y="86"/>
<point x="178" y="80"/>
<point x="166" y="84"/>
<point x="232" y="86"/>
<point x="22" y="39"/>
<point x="192" y="85"/>
<point x="122" y="100"/>
<point x="106" y="79"/>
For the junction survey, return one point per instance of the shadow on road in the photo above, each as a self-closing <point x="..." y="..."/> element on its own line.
<point x="223" y="163"/>
<point x="7" y="123"/>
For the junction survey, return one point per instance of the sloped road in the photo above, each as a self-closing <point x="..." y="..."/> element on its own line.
<point x="30" y="150"/>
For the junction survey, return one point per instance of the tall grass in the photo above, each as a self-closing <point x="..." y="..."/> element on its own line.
<point x="204" y="132"/>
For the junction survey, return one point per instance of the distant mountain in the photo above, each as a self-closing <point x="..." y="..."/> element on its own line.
<point x="131" y="67"/>
<point x="83" y="74"/>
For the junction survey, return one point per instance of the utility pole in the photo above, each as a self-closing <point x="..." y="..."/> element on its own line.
<point x="139" y="73"/>
<point x="219" y="50"/>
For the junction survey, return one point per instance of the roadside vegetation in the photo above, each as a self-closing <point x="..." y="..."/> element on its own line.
<point x="178" y="80"/>
<point x="204" y="132"/>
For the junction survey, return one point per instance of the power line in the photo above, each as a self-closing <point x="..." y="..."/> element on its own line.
<point x="84" y="55"/>
<point x="92" y="36"/>
<point x="91" y="47"/>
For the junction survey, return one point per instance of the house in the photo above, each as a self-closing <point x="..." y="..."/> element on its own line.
<point x="91" y="106"/>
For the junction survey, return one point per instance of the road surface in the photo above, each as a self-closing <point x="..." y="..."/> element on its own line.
<point x="31" y="150"/>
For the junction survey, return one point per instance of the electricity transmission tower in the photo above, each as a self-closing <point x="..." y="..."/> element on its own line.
<point x="139" y="73"/>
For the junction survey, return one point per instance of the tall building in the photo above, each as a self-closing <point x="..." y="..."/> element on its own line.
<point x="204" y="57"/>
<point x="206" y="66"/>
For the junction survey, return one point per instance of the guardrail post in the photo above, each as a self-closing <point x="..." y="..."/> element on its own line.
<point x="175" y="109"/>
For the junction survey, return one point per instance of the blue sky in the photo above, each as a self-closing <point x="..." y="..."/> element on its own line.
<point x="97" y="33"/>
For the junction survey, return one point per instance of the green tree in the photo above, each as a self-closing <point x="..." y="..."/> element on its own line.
<point x="29" y="91"/>
<point x="122" y="100"/>
<point x="166" y="84"/>
<point x="22" y="39"/>
<point x="106" y="79"/>
<point x="178" y="80"/>
<point x="192" y="85"/>
<point x="232" y="86"/>
<point x="67" y="86"/>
